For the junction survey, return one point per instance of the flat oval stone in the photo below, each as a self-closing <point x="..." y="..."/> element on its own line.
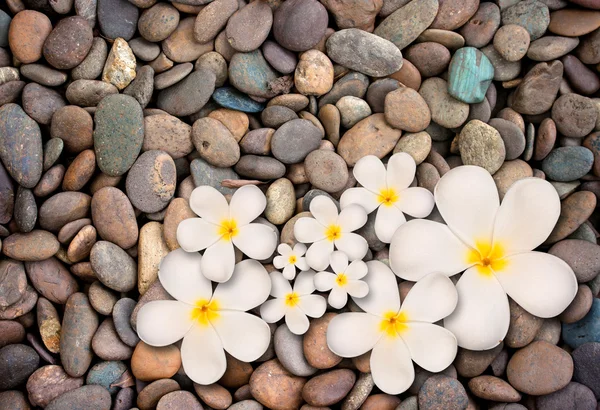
<point x="513" y="137"/>
<point x="158" y="22"/>
<point x="151" y="250"/>
<point x="568" y="163"/>
<point x="404" y="25"/>
<point x="299" y="25"/>
<point x="509" y="173"/>
<point x="229" y="97"/>
<point x="352" y="84"/>
<point x="13" y="282"/>
<point x="377" y="57"/>
<point x="406" y="110"/>
<point x="290" y="353"/>
<point x="114" y="217"/>
<point x="533" y="15"/>
<point x="493" y="388"/>
<point x="188" y="95"/>
<point x="40" y="102"/>
<point x="17" y="363"/>
<point x="122" y="313"/>
<point x="504" y="70"/>
<point x="294" y="140"/>
<point x="107" y="345"/>
<point x="36" y="245"/>
<point x="275" y="387"/>
<point x="326" y="170"/>
<point x="481" y="145"/>
<point x="89" y="93"/>
<point x="251" y="74"/>
<point x="575" y="395"/>
<point x="26" y="35"/>
<point x="316" y="351"/>
<point x="62" y="208"/>
<point x="88" y="397"/>
<point x="588" y="51"/>
<point x="582" y="256"/>
<point x="142" y="87"/>
<point x="205" y="174"/>
<point x="259" y="167"/>
<point x="279" y="58"/>
<point x="21" y="146"/>
<point x="12" y="332"/>
<point x="113" y="266"/>
<point x="445" y="109"/>
<point x="583" y="332"/>
<point x="52" y="280"/>
<point x="481" y="27"/>
<point x="579" y="307"/>
<point x="80" y="246"/>
<point x="150" y="395"/>
<point x="249" y="27"/>
<point x="537" y="92"/>
<point x="441" y="391"/>
<point x="215" y="143"/>
<point x="581" y="78"/>
<point x="550" y="48"/>
<point x="574" y="115"/>
<point x="181" y="46"/>
<point x="169" y="134"/>
<point x="586" y="360"/>
<point x="119" y="133"/>
<point x="151" y="181"/>
<point x="49" y="382"/>
<point x="469" y="75"/>
<point x="454" y="14"/>
<point x="184" y="400"/>
<point x="78" y="327"/>
<point x="25" y="215"/>
<point x="430" y="58"/>
<point x="91" y="67"/>
<point x="43" y="75"/>
<point x="574" y="23"/>
<point x="69" y="43"/>
<point x="117" y="18"/>
<point x="102" y="299"/>
<point x="328" y="388"/>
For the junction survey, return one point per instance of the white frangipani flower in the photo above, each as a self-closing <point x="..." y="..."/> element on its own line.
<point x="388" y="191"/>
<point x="398" y="335"/>
<point x="344" y="281"/>
<point x="209" y="323"/>
<point x="295" y="304"/>
<point x="289" y="259"/>
<point x="222" y="225"/>
<point x="328" y="229"/>
<point x="494" y="244"/>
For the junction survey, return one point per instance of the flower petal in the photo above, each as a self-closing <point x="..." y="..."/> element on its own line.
<point x="273" y="310"/>
<point x="420" y="247"/>
<point x="258" y="241"/>
<point x="296" y="321"/>
<point x="218" y="261"/>
<point x="387" y="221"/>
<point x="357" y="288"/>
<point x="401" y="169"/>
<point x="432" y="347"/>
<point x="302" y="264"/>
<point x="210" y="204"/>
<point x="324" y="210"/>
<point x="351" y="218"/>
<point x="481" y="318"/>
<point x="356" y="270"/>
<point x="338" y="262"/>
<point x="352" y="334"/>
<point x="202" y="355"/>
<point x="542" y="284"/>
<point x="353" y="245"/>
<point x="391" y="366"/>
<point x="180" y="275"/>
<point x="163" y="322"/>
<point x="467" y="199"/>
<point x="248" y="287"/>
<point x="247" y="203"/>
<point x="313" y="305"/>
<point x="289" y="272"/>
<point x="431" y="299"/>
<point x="279" y="285"/>
<point x="338" y="297"/>
<point x="280" y="261"/>
<point x="318" y="253"/>
<point x="370" y="172"/>
<point x="299" y="250"/>
<point x="308" y="230"/>
<point x="383" y="290"/>
<point x="284" y="249"/>
<point x="417" y="202"/>
<point x="324" y="281"/>
<point x="244" y="336"/>
<point x="528" y="213"/>
<point x="305" y="283"/>
<point x="360" y="196"/>
<point x="196" y="234"/>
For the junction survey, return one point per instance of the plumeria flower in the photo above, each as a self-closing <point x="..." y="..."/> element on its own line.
<point x="328" y="230"/>
<point x="289" y="259"/>
<point x="387" y="190"/>
<point x="295" y="304"/>
<point x="398" y="335"/>
<point x="222" y="225"/>
<point x="493" y="243"/>
<point x="344" y="281"/>
<point x="209" y="323"/>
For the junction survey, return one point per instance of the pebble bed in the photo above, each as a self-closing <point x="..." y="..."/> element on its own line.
<point x="113" y="111"/>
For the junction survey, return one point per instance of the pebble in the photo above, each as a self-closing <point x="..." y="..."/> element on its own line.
<point x="566" y="164"/>
<point x="89" y="93"/>
<point x="579" y="307"/>
<point x="215" y="143"/>
<point x="314" y="73"/>
<point x="480" y="28"/>
<point x="533" y="15"/>
<point x="326" y="170"/>
<point x="49" y="382"/>
<point x="445" y="110"/>
<point x="26" y="35"/>
<point x="80" y="171"/>
<point x="280" y="58"/>
<point x="446" y="38"/>
<point x="472" y="363"/>
<point x="469" y="75"/>
<point x="214" y="395"/>
<point x="36" y="245"/>
<point x="586" y="358"/>
<point x="188" y="95"/>
<point x="275" y="387"/>
<point x="249" y="27"/>
<point x="122" y="314"/>
<point x="52" y="280"/>
<point x="102" y="298"/>
<point x="172" y="76"/>
<point x="546" y="137"/>
<point x="13" y="281"/>
<point x="62" y="208"/>
<point x="25" y="213"/>
<point x="512" y="42"/>
<point x="316" y="350"/>
<point x="7" y="196"/>
<point x="536" y="93"/>
<point x="294" y="140"/>
<point x="273" y="116"/>
<point x="523" y="326"/>
<point x="151" y="249"/>
<point x="158" y="22"/>
<point x="251" y="74"/>
<point x="78" y="327"/>
<point x="294" y="30"/>
<point x="74" y="127"/>
<point x="40" y="102"/>
<point x="290" y="353"/>
<point x="585" y="330"/>
<point x="22" y="307"/>
<point x="509" y="173"/>
<point x="281" y="201"/>
<point x="494" y="389"/>
<point x="142" y="87"/>
<point x="575" y="210"/>
<point x="107" y="345"/>
<point x="574" y="115"/>
<point x="150" y="395"/>
<point x="406" y="110"/>
<point x="5" y="20"/>
<point x="588" y="50"/>
<point x="117" y="18"/>
<point x="236" y="122"/>
<point x="229" y="97"/>
<point x="582" y="256"/>
<point x="442" y="392"/>
<point x="540" y="368"/>
<point x="405" y="24"/>
<point x="179" y="400"/>
<point x="151" y="181"/>
<point x="213" y="61"/>
<point x="355" y="84"/>
<point x="85" y="397"/>
<point x="328" y="388"/>
<point x="106" y="374"/>
<point x="177" y="211"/>
<point x="119" y="69"/>
<point x="69" y="43"/>
<point x="574" y="23"/>
<point x="17" y="363"/>
<point x="113" y="266"/>
<point x="378" y="91"/>
<point x="237" y="373"/>
<point x="114" y="217"/>
<point x="91" y="67"/>
<point x="205" y="174"/>
<point x="572" y="397"/>
<point x="12" y="332"/>
<point x="481" y="145"/>
<point x="512" y="136"/>
<point x="581" y="78"/>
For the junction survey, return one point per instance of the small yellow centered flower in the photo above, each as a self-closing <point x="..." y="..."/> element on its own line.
<point x="388" y="196"/>
<point x="333" y="232"/>
<point x="228" y="229"/>
<point x="292" y="299"/>
<point x="292" y="259"/>
<point x="341" y="279"/>
<point x="394" y="323"/>
<point x="205" y="311"/>
<point x="487" y="257"/>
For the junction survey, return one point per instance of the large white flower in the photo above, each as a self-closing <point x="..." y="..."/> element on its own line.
<point x="397" y="334"/>
<point x="222" y="225"/>
<point x="494" y="244"/>
<point x="388" y="191"/>
<point x="208" y="322"/>
<point x="289" y="259"/>
<point x="345" y="280"/>
<point x="328" y="229"/>
<point x="295" y="304"/>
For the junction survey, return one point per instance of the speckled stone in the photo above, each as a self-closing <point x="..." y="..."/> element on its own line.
<point x="251" y="74"/>
<point x="585" y="330"/>
<point x="469" y="75"/>
<point x="294" y="140"/>
<point x="481" y="145"/>
<point x="531" y="14"/>
<point x="299" y="25"/>
<point x="78" y="327"/>
<point x="113" y="266"/>
<point x="119" y="69"/>
<point x="205" y="174"/>
<point x="151" y="181"/>
<point x="26" y="35"/>
<point x="117" y="18"/>
<point x="568" y="163"/>
<point x="69" y="43"/>
<point x="105" y="374"/>
<point x="442" y="392"/>
<point x="229" y="97"/>
<point x="188" y="95"/>
<point x="404" y="25"/>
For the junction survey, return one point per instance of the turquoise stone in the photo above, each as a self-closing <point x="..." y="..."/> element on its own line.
<point x="469" y="75"/>
<point x="229" y="97"/>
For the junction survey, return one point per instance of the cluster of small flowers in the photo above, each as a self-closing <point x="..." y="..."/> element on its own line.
<point x="491" y="243"/>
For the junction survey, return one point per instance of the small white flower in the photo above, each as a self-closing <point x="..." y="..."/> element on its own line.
<point x="295" y="304"/>
<point x="289" y="259"/>
<point x="208" y="322"/>
<point x="388" y="191"/>
<point x="328" y="229"/>
<point x="344" y="281"/>
<point x="493" y="243"/>
<point x="398" y="335"/>
<point x="222" y="225"/>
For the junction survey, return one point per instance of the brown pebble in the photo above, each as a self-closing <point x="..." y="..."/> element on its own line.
<point x="82" y="243"/>
<point x="26" y="35"/>
<point x="328" y="388"/>
<point x="150" y="395"/>
<point x="80" y="171"/>
<point x="114" y="217"/>
<point x="214" y="395"/>
<point x="276" y="388"/>
<point x="316" y="351"/>
<point x="36" y="245"/>
<point x="150" y="363"/>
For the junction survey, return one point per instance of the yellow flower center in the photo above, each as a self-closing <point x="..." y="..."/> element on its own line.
<point x="205" y="312"/>
<point x="292" y="299"/>
<point x="387" y="197"/>
<point x="341" y="279"/>
<point x="333" y="232"/>
<point x="394" y="323"/>
<point x="228" y="229"/>
<point x="487" y="258"/>
<point x="292" y="259"/>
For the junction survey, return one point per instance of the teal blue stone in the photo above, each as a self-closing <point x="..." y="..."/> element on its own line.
<point x="105" y="374"/>
<point x="251" y="74"/>
<point x="566" y="164"/>
<point x="584" y="331"/>
<point x="4" y="24"/>
<point x="469" y="75"/>
<point x="205" y="174"/>
<point x="229" y="97"/>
